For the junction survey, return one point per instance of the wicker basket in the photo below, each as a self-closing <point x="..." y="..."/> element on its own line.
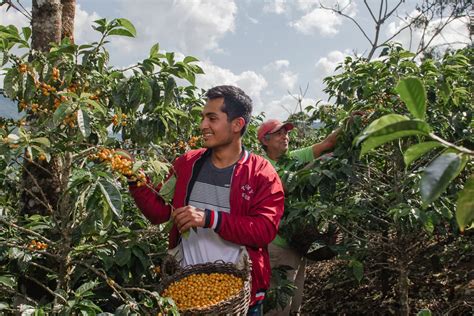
<point x="237" y="304"/>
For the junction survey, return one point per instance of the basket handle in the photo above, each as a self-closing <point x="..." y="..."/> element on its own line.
<point x="169" y="266"/>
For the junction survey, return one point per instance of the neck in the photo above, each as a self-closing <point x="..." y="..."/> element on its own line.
<point x="223" y="157"/>
<point x="274" y="155"/>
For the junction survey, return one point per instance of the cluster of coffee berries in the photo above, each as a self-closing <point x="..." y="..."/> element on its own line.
<point x="37" y="245"/>
<point x="120" y="164"/>
<point x="122" y="121"/>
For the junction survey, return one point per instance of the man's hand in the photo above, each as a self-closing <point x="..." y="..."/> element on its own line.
<point x="331" y="139"/>
<point x="188" y="216"/>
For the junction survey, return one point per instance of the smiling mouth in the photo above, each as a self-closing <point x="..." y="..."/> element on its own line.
<point x="206" y="135"/>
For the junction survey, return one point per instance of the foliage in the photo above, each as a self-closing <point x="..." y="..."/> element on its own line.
<point x="93" y="251"/>
<point x="443" y="169"/>
<point x="413" y="111"/>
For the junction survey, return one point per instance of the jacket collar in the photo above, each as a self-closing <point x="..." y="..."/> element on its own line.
<point x="243" y="159"/>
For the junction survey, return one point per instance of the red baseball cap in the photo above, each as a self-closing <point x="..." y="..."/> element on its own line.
<point x="272" y="126"/>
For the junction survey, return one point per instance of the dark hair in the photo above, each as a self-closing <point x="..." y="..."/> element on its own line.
<point x="236" y="103"/>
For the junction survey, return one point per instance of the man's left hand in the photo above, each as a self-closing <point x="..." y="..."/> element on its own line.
<point x="188" y="216"/>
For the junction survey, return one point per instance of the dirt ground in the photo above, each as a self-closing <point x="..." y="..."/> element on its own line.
<point x="441" y="279"/>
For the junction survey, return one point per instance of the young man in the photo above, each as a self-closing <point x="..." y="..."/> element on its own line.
<point x="229" y="197"/>
<point x="273" y="135"/>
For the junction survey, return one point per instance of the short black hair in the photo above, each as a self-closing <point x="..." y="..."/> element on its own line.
<point x="236" y="103"/>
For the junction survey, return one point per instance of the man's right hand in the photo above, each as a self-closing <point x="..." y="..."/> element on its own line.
<point x="187" y="217"/>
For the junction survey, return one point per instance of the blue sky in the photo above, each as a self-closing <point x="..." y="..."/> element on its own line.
<point x="267" y="47"/>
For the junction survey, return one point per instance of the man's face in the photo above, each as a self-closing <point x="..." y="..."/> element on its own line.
<point x="216" y="129"/>
<point x="278" y="141"/>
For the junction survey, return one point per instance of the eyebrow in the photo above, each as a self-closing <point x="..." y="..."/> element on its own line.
<point x="208" y="114"/>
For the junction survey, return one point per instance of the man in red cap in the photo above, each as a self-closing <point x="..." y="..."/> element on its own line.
<point x="273" y="135"/>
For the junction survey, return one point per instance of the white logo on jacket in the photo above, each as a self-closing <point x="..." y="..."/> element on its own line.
<point x="247" y="191"/>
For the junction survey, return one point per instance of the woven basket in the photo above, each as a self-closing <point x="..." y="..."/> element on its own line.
<point x="237" y="304"/>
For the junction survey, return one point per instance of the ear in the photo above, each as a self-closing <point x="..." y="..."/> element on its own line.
<point x="238" y="124"/>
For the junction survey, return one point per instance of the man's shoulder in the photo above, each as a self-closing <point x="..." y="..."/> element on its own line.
<point x="260" y="163"/>
<point x="194" y="153"/>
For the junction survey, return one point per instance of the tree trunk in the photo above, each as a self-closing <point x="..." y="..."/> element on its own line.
<point x="69" y="10"/>
<point x="45" y="24"/>
<point x="44" y="183"/>
<point x="403" y="290"/>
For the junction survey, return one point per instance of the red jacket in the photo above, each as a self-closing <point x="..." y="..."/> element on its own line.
<point x="256" y="204"/>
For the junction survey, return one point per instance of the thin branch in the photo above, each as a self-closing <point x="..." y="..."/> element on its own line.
<point x="26" y="230"/>
<point x="350" y="18"/>
<point x="41" y="267"/>
<point x="113" y="285"/>
<point x="380" y="20"/>
<point x="370" y="11"/>
<point x="393" y="10"/>
<point x="24" y="11"/>
<point x="8" y="290"/>
<point x="42" y="252"/>
<point x="47" y="289"/>
<point x="45" y="201"/>
<point x="444" y="142"/>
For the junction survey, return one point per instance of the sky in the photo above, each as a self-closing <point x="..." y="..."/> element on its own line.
<point x="272" y="49"/>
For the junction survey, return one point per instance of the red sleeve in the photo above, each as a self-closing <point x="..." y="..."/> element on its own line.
<point x="259" y="227"/>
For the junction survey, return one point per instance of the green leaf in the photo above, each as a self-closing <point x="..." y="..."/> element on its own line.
<point x="4" y="305"/>
<point x="438" y="175"/>
<point x="10" y="83"/>
<point x="424" y="312"/>
<point x="112" y="196"/>
<point x="154" y="50"/>
<point x="106" y="215"/>
<point x="121" y="32"/>
<point x="42" y="141"/>
<point x="122" y="257"/>
<point x="392" y="132"/>
<point x="30" y="89"/>
<point x="85" y="287"/>
<point x="96" y="105"/>
<point x="379" y="124"/>
<point x="26" y="33"/>
<point x="418" y="150"/>
<point x="167" y="227"/>
<point x="465" y="205"/>
<point x="357" y="269"/>
<point x="167" y="190"/>
<point x="83" y="122"/>
<point x="189" y="59"/>
<point x="412" y="92"/>
<point x="8" y="281"/>
<point x="61" y="112"/>
<point x="127" y="25"/>
<point x="147" y="91"/>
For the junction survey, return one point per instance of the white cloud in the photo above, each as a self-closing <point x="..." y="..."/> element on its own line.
<point x="251" y="82"/>
<point x="326" y="65"/>
<point x="306" y="5"/>
<point x="277" y="65"/>
<point x="456" y="32"/>
<point x="288" y="80"/>
<point x="83" y="32"/>
<point x="275" y="6"/>
<point x="13" y="17"/>
<point x="192" y="27"/>
<point x="324" y="21"/>
<point x="282" y="108"/>
<point x="284" y="78"/>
